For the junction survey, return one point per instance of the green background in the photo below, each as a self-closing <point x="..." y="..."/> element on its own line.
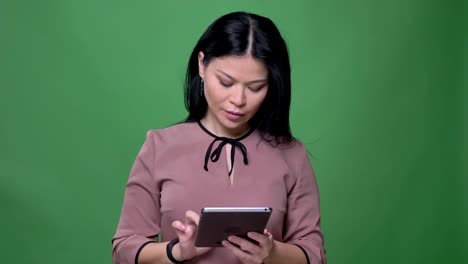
<point x="379" y="98"/>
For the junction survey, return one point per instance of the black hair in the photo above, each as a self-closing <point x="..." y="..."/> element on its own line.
<point x="242" y="33"/>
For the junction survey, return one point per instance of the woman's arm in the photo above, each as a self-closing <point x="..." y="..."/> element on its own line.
<point x="184" y="249"/>
<point x="140" y="218"/>
<point x="268" y="250"/>
<point x="155" y="253"/>
<point x="285" y="253"/>
<point x="302" y="221"/>
<point x="140" y="214"/>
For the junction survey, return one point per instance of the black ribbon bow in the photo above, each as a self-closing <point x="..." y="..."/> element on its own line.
<point x="214" y="156"/>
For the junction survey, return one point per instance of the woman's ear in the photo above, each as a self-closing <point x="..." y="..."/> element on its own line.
<point x="201" y="65"/>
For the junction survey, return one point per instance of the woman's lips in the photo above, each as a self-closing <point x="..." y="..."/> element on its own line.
<point x="234" y="115"/>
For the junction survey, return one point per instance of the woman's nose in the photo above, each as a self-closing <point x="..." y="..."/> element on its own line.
<point x="238" y="96"/>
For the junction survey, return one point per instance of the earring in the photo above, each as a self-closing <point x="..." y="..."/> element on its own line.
<point x="202" y="86"/>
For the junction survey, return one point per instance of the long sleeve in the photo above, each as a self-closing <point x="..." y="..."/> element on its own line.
<point x="140" y="215"/>
<point x="303" y="213"/>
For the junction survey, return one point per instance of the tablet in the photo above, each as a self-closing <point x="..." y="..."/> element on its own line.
<point x="217" y="223"/>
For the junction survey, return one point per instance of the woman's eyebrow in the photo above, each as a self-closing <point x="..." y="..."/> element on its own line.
<point x="234" y="79"/>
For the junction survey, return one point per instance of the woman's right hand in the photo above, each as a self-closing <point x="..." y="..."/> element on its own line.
<point x="186" y="233"/>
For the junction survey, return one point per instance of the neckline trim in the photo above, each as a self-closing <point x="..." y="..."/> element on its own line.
<point x="215" y="136"/>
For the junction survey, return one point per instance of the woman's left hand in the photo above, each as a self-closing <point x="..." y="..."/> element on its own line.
<point x="248" y="252"/>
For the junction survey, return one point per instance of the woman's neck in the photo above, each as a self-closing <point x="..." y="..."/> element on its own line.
<point x="217" y="129"/>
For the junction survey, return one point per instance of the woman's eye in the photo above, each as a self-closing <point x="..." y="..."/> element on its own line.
<point x="225" y="84"/>
<point x="256" y="89"/>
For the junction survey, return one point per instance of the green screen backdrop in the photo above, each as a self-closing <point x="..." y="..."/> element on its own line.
<point x="379" y="99"/>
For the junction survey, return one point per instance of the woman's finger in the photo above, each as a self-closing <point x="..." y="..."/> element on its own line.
<point x="245" y="244"/>
<point x="257" y="237"/>
<point x="243" y="255"/>
<point x="178" y="225"/>
<point x="192" y="217"/>
<point x="264" y="240"/>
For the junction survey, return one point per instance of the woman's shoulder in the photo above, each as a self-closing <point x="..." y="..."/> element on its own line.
<point x="294" y="149"/>
<point x="290" y="151"/>
<point x="174" y="133"/>
<point x="291" y="147"/>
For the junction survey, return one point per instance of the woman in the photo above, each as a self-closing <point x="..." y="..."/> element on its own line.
<point x="238" y="91"/>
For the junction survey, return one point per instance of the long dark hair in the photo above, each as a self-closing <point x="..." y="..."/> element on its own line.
<point x="231" y="34"/>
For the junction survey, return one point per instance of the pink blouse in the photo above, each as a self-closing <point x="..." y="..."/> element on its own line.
<point x="168" y="178"/>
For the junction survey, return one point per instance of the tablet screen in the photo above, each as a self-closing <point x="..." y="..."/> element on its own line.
<point x="217" y="223"/>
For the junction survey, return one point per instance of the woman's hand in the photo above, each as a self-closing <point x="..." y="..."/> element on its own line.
<point x="249" y="252"/>
<point x="186" y="233"/>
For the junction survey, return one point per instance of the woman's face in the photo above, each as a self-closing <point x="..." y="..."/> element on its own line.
<point x="234" y="88"/>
